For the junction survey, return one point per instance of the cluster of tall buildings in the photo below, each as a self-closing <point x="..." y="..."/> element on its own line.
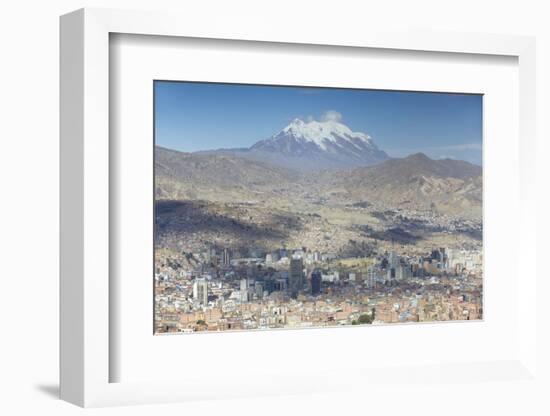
<point x="253" y="292"/>
<point x="388" y="268"/>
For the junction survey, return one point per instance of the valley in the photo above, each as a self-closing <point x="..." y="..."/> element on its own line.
<point x="408" y="203"/>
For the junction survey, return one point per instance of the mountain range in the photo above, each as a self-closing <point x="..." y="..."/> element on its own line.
<point x="315" y="184"/>
<point x="416" y="181"/>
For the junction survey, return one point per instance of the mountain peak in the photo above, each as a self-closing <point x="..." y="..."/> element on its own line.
<point x="297" y="122"/>
<point x="321" y="133"/>
<point x="419" y="164"/>
<point x="313" y="145"/>
<point x="419" y="157"/>
<point x="306" y="145"/>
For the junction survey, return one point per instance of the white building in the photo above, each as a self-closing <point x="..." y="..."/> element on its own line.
<point x="371" y="277"/>
<point x="200" y="290"/>
<point x="244" y="290"/>
<point x="333" y="277"/>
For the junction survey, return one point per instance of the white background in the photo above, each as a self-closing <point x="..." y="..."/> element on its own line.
<point x="29" y="207"/>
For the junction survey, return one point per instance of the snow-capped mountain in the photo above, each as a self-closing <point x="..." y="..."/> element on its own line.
<point x="313" y="145"/>
<point x="323" y="134"/>
<point x="307" y="145"/>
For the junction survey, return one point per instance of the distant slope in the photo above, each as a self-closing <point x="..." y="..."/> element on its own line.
<point x="416" y="181"/>
<point x="215" y="176"/>
<point x="420" y="164"/>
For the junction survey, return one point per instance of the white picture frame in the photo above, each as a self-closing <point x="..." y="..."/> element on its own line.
<point x="85" y="353"/>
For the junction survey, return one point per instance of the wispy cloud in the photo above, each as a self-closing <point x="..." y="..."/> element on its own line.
<point x="331" y="115"/>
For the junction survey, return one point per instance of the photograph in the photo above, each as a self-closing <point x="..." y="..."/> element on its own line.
<point x="293" y="207"/>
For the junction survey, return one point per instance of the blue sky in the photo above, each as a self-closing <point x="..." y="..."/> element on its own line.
<point x="202" y="116"/>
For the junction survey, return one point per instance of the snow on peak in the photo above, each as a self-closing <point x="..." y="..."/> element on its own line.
<point x="321" y="132"/>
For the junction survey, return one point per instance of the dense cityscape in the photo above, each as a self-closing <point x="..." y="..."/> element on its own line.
<point x="300" y="288"/>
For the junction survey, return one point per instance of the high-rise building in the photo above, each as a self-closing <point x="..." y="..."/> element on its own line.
<point x="244" y="290"/>
<point x="316" y="278"/>
<point x="259" y="290"/>
<point x="269" y="285"/>
<point x="451" y="258"/>
<point x="200" y="290"/>
<point x="295" y="279"/>
<point x="226" y="258"/>
<point x="439" y="255"/>
<point x="391" y="274"/>
<point x="400" y="272"/>
<point x="393" y="260"/>
<point x="371" y="277"/>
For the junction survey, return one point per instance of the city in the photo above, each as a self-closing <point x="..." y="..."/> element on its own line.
<point x="299" y="289"/>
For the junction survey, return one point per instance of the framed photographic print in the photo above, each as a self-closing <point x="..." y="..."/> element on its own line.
<point x="291" y="213"/>
<point x="315" y="225"/>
